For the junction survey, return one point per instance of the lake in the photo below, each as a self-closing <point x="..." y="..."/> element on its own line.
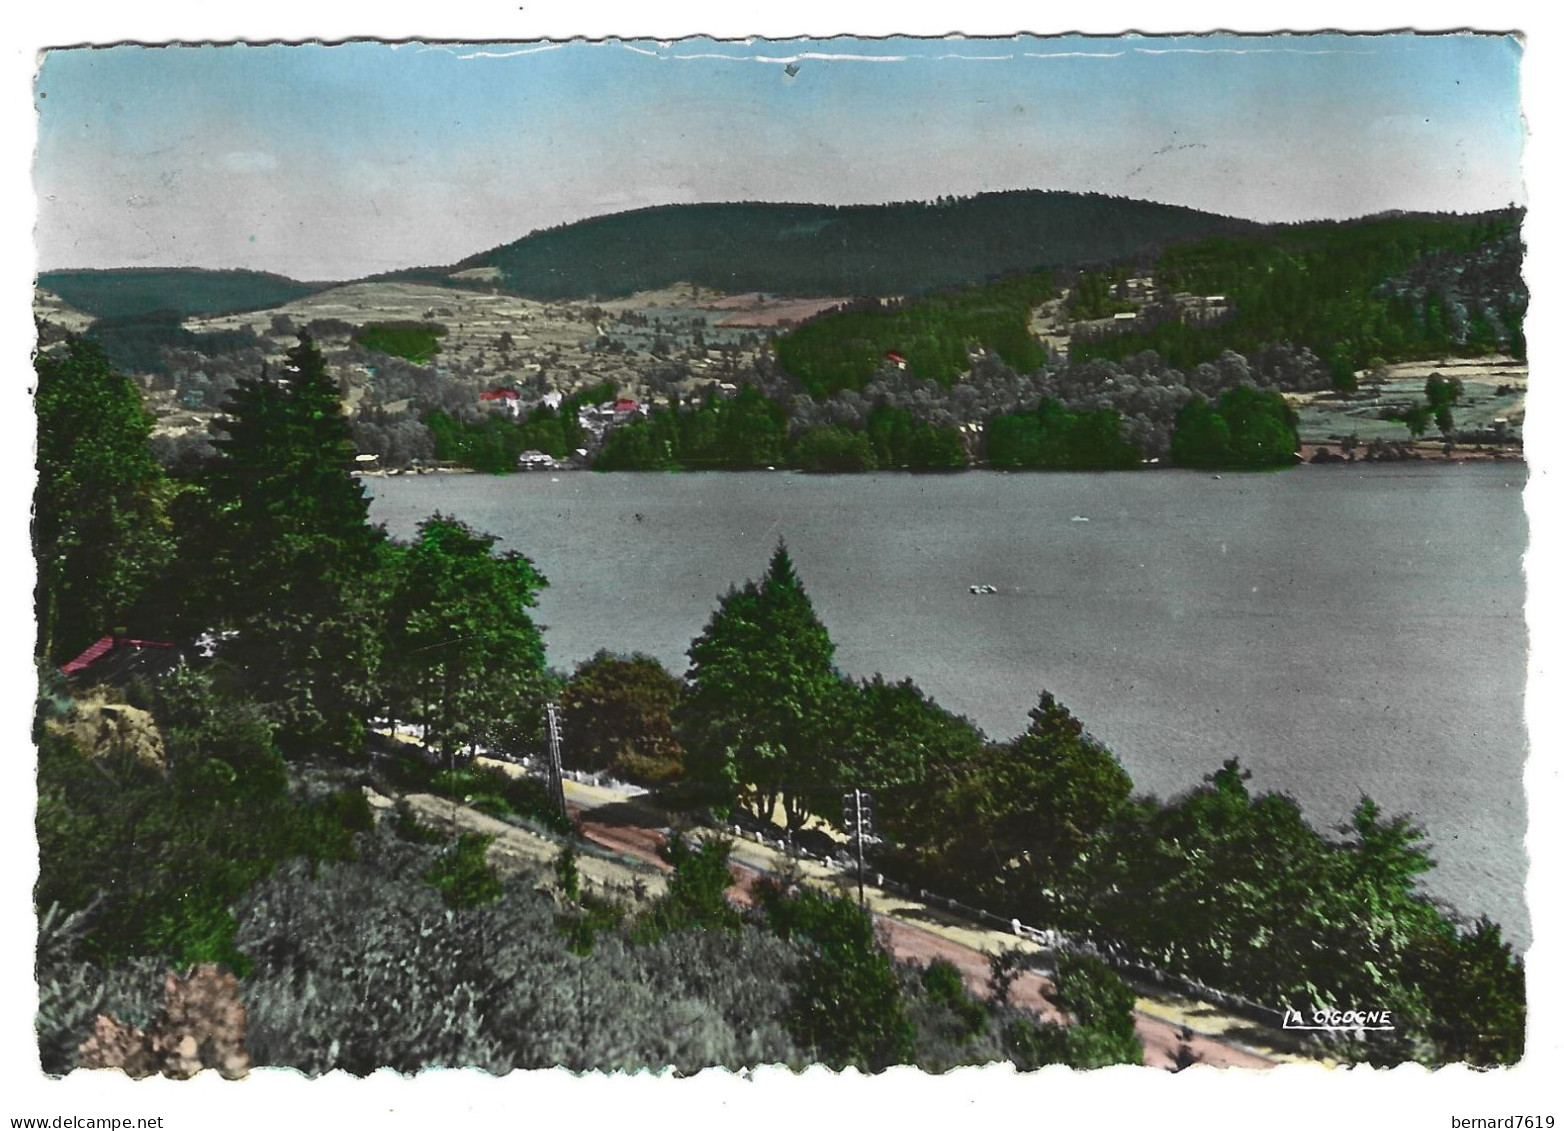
<point x="1341" y="629"/>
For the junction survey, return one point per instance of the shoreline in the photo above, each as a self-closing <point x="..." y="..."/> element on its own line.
<point x="1304" y="457"/>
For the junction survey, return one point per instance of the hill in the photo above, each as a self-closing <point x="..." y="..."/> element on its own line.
<point x="127" y="292"/>
<point x="815" y="249"/>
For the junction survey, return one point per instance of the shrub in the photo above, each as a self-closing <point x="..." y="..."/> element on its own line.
<point x="697" y="896"/>
<point x="350" y="809"/>
<point x="72" y="991"/>
<point x="1103" y="1008"/>
<point x="944" y="985"/>
<point x="158" y="860"/>
<point x="361" y="967"/>
<point x="493" y="791"/>
<point x="846" y="1005"/>
<point x="463" y="876"/>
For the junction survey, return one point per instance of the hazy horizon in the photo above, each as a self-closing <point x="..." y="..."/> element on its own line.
<point x="332" y="162"/>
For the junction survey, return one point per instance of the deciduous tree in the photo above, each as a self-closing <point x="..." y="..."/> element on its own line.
<point x="619" y="717"/>
<point x="100" y="529"/>
<point x="463" y="655"/>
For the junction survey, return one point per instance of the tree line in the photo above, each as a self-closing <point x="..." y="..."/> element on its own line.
<point x="752" y="431"/>
<point x="1218" y="884"/>
<point x="900" y="248"/>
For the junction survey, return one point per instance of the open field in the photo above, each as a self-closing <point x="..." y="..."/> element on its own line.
<point x="1493" y="389"/>
<point x="770" y="313"/>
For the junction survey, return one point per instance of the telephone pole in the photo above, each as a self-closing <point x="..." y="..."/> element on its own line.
<point x="858" y="812"/>
<point x="556" y="769"/>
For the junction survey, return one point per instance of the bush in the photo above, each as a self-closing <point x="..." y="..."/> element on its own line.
<point x="350" y="809"/>
<point x="1030" y="1045"/>
<point x="697" y="896"/>
<point x="463" y="876"/>
<point x="943" y="983"/>
<point x="362" y="967"/>
<point x="1104" y="1011"/>
<point x="72" y="991"/>
<point x="158" y="861"/>
<point x="498" y="794"/>
<point x="846" y="1005"/>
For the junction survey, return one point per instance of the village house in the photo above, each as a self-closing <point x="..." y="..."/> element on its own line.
<point x="507" y="400"/>
<point x="534" y="460"/>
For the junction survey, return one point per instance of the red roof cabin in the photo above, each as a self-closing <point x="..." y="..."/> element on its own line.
<point x="115" y="657"/>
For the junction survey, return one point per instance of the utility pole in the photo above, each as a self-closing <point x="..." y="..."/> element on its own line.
<point x="858" y="810"/>
<point x="556" y="768"/>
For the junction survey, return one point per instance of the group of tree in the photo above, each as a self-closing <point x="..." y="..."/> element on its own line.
<point x="267" y="547"/>
<point x="1054" y="438"/>
<point x="1092" y="296"/>
<point x="750" y="431"/>
<point x="1143" y="389"/>
<point x="1245" y="428"/>
<point x="735" y="433"/>
<point x="1250" y="426"/>
<point x="153" y="342"/>
<point x="416" y="341"/>
<point x="1217" y="885"/>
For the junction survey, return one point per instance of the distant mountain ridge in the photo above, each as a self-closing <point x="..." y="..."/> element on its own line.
<point x="818" y="249"/>
<point x="785" y="249"/>
<point x="128" y="292"/>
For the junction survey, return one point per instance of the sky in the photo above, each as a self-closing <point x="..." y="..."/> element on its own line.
<point x="331" y="162"/>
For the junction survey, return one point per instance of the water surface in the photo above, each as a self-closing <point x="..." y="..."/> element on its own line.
<point x="1341" y="630"/>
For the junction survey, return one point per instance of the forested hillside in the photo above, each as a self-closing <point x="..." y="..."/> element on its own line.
<point x="181" y="290"/>
<point x="931" y="337"/>
<point x="1389" y="288"/>
<point x="817" y="249"/>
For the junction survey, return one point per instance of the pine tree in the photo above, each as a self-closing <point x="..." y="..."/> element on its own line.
<point x="287" y="551"/>
<point x="764" y="697"/>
